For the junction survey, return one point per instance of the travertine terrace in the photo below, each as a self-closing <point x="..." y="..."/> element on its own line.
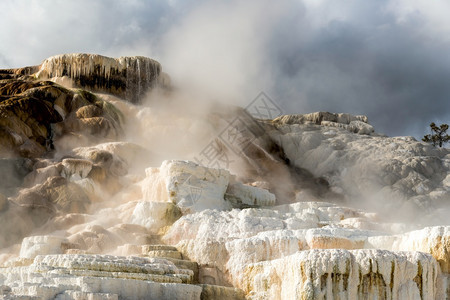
<point x="315" y="206"/>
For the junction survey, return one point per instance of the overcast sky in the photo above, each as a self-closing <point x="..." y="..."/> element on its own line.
<point x="389" y="60"/>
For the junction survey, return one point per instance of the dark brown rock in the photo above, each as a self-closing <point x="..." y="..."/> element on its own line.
<point x="57" y="195"/>
<point x="89" y="111"/>
<point x="35" y="113"/>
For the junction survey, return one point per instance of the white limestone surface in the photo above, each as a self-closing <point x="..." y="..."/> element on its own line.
<point x="230" y="240"/>
<point x="342" y="274"/>
<point x="243" y="223"/>
<point x="155" y="215"/>
<point x="187" y="185"/>
<point x="434" y="240"/>
<point x="400" y="176"/>
<point x="194" y="188"/>
<point x="37" y="245"/>
<point x="101" y="276"/>
<point x="80" y="64"/>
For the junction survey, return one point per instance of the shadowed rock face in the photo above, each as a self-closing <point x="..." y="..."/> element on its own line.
<point x="26" y="112"/>
<point x="35" y="113"/>
<point x="264" y="161"/>
<point x="126" y="77"/>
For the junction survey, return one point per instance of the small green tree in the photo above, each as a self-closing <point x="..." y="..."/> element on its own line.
<point x="438" y="135"/>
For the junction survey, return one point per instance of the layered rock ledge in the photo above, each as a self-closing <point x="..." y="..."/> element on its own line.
<point x="125" y="77"/>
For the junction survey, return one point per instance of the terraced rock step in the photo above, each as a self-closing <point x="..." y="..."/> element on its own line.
<point x="127" y="77"/>
<point x="167" y="252"/>
<point x="155" y="271"/>
<point x="186" y="264"/>
<point x="101" y="277"/>
<point x="351" y="274"/>
<point x="65" y="276"/>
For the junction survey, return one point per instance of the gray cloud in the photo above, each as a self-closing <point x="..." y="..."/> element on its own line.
<point x="385" y="59"/>
<point x="365" y="61"/>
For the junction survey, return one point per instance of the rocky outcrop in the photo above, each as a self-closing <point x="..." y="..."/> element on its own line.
<point x="368" y="169"/>
<point x="26" y="116"/>
<point x="357" y="124"/>
<point x="195" y="188"/>
<point x="18" y="73"/>
<point x="35" y="114"/>
<point x="126" y="77"/>
<point x="187" y="184"/>
<point x="52" y="189"/>
<point x="259" y="159"/>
